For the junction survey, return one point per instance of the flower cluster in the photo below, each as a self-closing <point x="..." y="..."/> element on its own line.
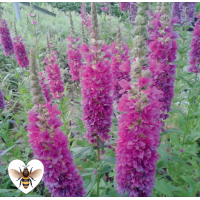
<point x="56" y="84"/>
<point x="120" y="65"/>
<point x="6" y="40"/>
<point x="45" y="87"/>
<point x="2" y="102"/>
<point x="50" y="146"/>
<point x="133" y="11"/>
<point x="139" y="123"/>
<point x="124" y="6"/>
<point x="96" y="86"/>
<point x="184" y="11"/>
<point x="195" y="48"/>
<point x="20" y="52"/>
<point x="36" y="89"/>
<point x="163" y="51"/>
<point x="86" y="20"/>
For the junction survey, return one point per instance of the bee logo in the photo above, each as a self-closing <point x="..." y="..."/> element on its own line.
<point x="25" y="177"/>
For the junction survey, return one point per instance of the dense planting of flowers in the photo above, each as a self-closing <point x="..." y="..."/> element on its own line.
<point x="5" y="37"/>
<point x="128" y="125"/>
<point x="96" y="86"/>
<point x="139" y="123"/>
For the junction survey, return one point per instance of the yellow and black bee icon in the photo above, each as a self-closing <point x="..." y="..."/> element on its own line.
<point x="25" y="176"/>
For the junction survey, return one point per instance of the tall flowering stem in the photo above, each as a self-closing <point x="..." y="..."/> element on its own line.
<point x="133" y="11"/>
<point x="50" y="146"/>
<point x="74" y="55"/>
<point x="195" y="48"/>
<point x="96" y="86"/>
<point x="2" y="102"/>
<point x="163" y="51"/>
<point x="125" y="6"/>
<point x="139" y="123"/>
<point x="54" y="78"/>
<point x="20" y="50"/>
<point x="5" y="37"/>
<point x="120" y="65"/>
<point x="86" y="19"/>
<point x="36" y="88"/>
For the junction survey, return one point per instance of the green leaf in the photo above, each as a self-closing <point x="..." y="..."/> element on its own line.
<point x="81" y="151"/>
<point x="5" y="151"/>
<point x="163" y="187"/>
<point x="172" y="131"/>
<point x="110" y="159"/>
<point x="4" y="191"/>
<point x="2" y="170"/>
<point x="105" y="168"/>
<point x="22" y="90"/>
<point x="163" y="154"/>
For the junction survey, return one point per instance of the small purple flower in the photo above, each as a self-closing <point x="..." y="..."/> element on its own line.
<point x="169" y="159"/>
<point x="34" y="22"/>
<point x="95" y="171"/>
<point x="2" y="163"/>
<point x="182" y="150"/>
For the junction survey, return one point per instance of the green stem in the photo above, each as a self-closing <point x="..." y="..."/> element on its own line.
<point x="188" y="115"/>
<point x="61" y="108"/>
<point x="98" y="177"/>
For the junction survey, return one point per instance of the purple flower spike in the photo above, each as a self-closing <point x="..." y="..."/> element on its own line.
<point x="20" y="52"/>
<point x="182" y="150"/>
<point x="50" y="146"/>
<point x="2" y="102"/>
<point x="195" y="49"/>
<point x="6" y="40"/>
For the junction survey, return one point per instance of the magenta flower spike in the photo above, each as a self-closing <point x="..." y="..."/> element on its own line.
<point x="45" y="87"/>
<point x="163" y="51"/>
<point x="54" y="78"/>
<point x="120" y="65"/>
<point x="86" y="19"/>
<point x="96" y="85"/>
<point x="195" y="48"/>
<point x="50" y="146"/>
<point x="2" y="102"/>
<point x="139" y="122"/>
<point x="5" y="37"/>
<point x="73" y="52"/>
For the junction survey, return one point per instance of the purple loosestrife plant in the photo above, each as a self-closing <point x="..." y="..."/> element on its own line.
<point x="50" y="146"/>
<point x="195" y="48"/>
<point x="20" y="50"/>
<point x="54" y="78"/>
<point x="124" y="6"/>
<point x="120" y="65"/>
<point x="6" y="40"/>
<point x="2" y="102"/>
<point x="86" y="19"/>
<point x="163" y="51"/>
<point x="36" y="88"/>
<point x="96" y="85"/>
<point x="74" y="55"/>
<point x="139" y="123"/>
<point x="133" y="11"/>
